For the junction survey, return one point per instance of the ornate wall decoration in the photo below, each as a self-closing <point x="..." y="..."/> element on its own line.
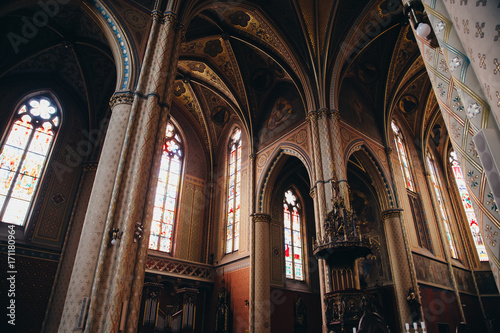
<point x="176" y="267"/>
<point x="222" y="55"/>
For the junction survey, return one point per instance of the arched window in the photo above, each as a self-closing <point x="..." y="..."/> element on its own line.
<point x="442" y="209"/>
<point x="419" y="221"/>
<point x="233" y="193"/>
<point x="167" y="192"/>
<point x="25" y="149"/>
<point x="467" y="204"/>
<point x="294" y="264"/>
<point x="403" y="159"/>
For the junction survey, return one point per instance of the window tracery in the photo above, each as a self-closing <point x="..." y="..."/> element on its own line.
<point x="24" y="156"/>
<point x="167" y="192"/>
<point x="234" y="193"/>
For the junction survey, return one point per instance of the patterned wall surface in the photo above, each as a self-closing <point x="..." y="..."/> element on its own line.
<point x="465" y="111"/>
<point x="478" y="26"/>
<point x="191" y="215"/>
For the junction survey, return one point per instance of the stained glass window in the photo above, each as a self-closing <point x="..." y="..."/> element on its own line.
<point x="167" y="191"/>
<point x="294" y="264"/>
<point x="24" y="156"/>
<point x="442" y="210"/>
<point x="233" y="193"/>
<point x="467" y="204"/>
<point x="403" y="157"/>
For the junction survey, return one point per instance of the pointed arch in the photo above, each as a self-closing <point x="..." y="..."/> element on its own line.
<point x="125" y="58"/>
<point x="26" y="147"/>
<point x="165" y="211"/>
<point x="268" y="177"/>
<point x="375" y="169"/>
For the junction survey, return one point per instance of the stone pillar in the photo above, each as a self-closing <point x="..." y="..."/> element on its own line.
<point x="252" y="208"/>
<point x="262" y="283"/>
<point x="123" y="197"/>
<point x="402" y="265"/>
<point x="463" y="102"/>
<point x="400" y="269"/>
<point x="319" y="208"/>
<point x="92" y="232"/>
<point x="119" y="278"/>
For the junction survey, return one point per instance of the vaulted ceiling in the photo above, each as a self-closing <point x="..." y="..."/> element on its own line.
<point x="350" y="55"/>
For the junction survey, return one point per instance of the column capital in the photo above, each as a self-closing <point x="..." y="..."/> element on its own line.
<point x="121" y="98"/>
<point x="312" y="114"/>
<point x="252" y="156"/>
<point x="388" y="151"/>
<point x="261" y="217"/>
<point x="90" y="166"/>
<point x="323" y="112"/>
<point x="334" y="113"/>
<point x="390" y="213"/>
<point x="312" y="192"/>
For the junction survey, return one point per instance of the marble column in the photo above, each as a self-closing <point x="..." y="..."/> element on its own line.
<point x="400" y="269"/>
<point x="119" y="277"/>
<point x="92" y="231"/>
<point x="319" y="208"/>
<point x="262" y="283"/>
<point x="401" y="262"/>
<point x="464" y="101"/>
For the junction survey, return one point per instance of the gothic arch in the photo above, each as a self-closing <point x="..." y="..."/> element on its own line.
<point x="378" y="174"/>
<point x="124" y="56"/>
<point x="273" y="167"/>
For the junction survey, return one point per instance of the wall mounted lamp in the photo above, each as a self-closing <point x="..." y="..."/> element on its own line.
<point x="116" y="235"/>
<point x="414" y="10"/>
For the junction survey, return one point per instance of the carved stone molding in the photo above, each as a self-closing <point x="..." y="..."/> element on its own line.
<point x="259" y="217"/>
<point x="121" y="98"/>
<point x="390" y="213"/>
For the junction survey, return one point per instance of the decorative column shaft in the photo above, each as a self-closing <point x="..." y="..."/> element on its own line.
<point x="464" y="105"/>
<point x="119" y="279"/>
<point x="95" y="219"/>
<point x="400" y="272"/>
<point x="320" y="207"/>
<point x="262" y="283"/>
<point x="404" y="276"/>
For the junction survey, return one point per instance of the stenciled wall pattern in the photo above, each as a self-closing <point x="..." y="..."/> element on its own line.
<point x="465" y="110"/>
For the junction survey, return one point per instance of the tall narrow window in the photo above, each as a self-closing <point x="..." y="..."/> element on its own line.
<point x="167" y="191"/>
<point x="233" y="193"/>
<point x="421" y="226"/>
<point x="469" y="211"/>
<point x="294" y="266"/>
<point x="442" y="209"/>
<point x="24" y="155"/>
<point x="403" y="159"/>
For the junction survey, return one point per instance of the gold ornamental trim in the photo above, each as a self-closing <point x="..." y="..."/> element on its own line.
<point x="121" y="98"/>
<point x="259" y="217"/>
<point x="390" y="214"/>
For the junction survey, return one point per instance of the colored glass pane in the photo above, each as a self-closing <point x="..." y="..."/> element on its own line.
<point x="293" y="236"/>
<point x="24" y="155"/>
<point x="403" y="159"/>
<point x="439" y="197"/>
<point x="167" y="190"/>
<point x="469" y="210"/>
<point x="233" y="192"/>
